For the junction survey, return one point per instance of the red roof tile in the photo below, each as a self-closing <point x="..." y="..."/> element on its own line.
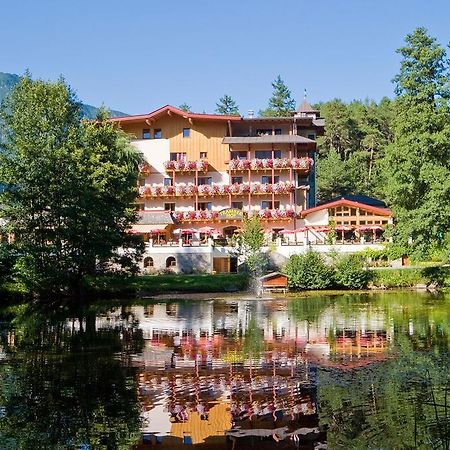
<point x="165" y="109"/>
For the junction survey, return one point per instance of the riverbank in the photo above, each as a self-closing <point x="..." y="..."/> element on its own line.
<point x="189" y="286"/>
<point x="151" y="285"/>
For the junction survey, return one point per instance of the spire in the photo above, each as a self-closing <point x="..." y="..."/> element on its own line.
<point x="305" y="109"/>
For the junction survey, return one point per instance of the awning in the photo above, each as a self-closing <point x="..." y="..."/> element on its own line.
<point x="141" y="229"/>
<point x="155" y="218"/>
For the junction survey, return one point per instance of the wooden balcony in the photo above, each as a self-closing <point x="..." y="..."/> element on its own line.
<point x="303" y="164"/>
<point x="216" y="190"/>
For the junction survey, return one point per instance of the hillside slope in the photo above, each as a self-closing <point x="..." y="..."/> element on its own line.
<point x="9" y="80"/>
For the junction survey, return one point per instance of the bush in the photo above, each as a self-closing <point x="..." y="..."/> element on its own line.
<point x="350" y="272"/>
<point x="309" y="271"/>
<point x="398" y="278"/>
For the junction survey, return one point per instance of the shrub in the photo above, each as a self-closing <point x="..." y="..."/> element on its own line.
<point x="350" y="272"/>
<point x="309" y="271"/>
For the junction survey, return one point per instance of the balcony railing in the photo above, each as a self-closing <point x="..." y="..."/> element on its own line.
<point x="303" y="163"/>
<point x="216" y="190"/>
<point x="187" y="166"/>
<point x="264" y="214"/>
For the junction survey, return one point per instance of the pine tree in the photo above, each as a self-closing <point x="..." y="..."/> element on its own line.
<point x="227" y="106"/>
<point x="185" y="107"/>
<point x="280" y="104"/>
<point x="417" y="164"/>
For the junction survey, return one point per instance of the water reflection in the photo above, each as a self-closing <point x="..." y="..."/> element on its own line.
<point x="336" y="372"/>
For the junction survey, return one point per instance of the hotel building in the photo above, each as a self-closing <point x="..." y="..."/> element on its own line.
<point x="204" y="173"/>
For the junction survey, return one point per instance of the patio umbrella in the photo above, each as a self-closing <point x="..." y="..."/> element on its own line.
<point x="343" y="228"/>
<point x="207" y="230"/>
<point x="183" y="231"/>
<point x="157" y="230"/>
<point x="320" y="229"/>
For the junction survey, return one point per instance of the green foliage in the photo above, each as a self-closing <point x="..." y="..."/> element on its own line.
<point x="281" y="104"/>
<point x="416" y="166"/>
<point x="70" y="186"/>
<point x="350" y="272"/>
<point x="398" y="278"/>
<point x="227" y="106"/>
<point x="185" y="107"/>
<point x="309" y="271"/>
<point x="356" y="135"/>
<point x="252" y="234"/>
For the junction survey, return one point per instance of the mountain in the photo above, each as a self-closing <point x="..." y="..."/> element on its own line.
<point x="9" y="80"/>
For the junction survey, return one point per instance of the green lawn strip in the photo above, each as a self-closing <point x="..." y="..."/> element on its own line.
<point x="164" y="284"/>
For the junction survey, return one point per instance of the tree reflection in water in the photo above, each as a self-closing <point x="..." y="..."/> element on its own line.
<point x="350" y="371"/>
<point x="64" y="387"/>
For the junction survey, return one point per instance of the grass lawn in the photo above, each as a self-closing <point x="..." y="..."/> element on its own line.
<point x="165" y="284"/>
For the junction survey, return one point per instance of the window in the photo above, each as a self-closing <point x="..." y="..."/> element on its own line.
<point x="203" y="155"/>
<point x="237" y="180"/>
<point x="204" y="180"/>
<point x="171" y="262"/>
<point x="148" y="262"/>
<point x="168" y="182"/>
<point x="169" y="207"/>
<point x="277" y="154"/>
<point x="277" y="131"/>
<point x="205" y="206"/>
<point x="141" y="181"/>
<point x="312" y="136"/>
<point x="237" y="205"/>
<point x="263" y="131"/>
<point x="263" y="154"/>
<point x="267" y="204"/>
<point x="157" y="133"/>
<point x="181" y="156"/>
<point x="239" y="155"/>
<point x="186" y="132"/>
<point x="267" y="179"/>
<point x="146" y="133"/>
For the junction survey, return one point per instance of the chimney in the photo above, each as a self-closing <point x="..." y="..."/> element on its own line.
<point x="250" y="113"/>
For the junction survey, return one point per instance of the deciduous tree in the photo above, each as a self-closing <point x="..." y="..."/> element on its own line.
<point x="70" y="185"/>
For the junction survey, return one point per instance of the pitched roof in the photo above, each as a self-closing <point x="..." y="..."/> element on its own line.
<point x="361" y="199"/>
<point x="167" y="109"/>
<point x="271" y="275"/>
<point x="346" y="202"/>
<point x="305" y="107"/>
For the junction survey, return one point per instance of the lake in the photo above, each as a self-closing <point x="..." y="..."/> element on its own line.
<point x="365" y="371"/>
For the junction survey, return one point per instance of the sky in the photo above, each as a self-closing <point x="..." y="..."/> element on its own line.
<point x="135" y="56"/>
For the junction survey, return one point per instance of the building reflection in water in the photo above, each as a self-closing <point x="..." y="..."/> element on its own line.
<point x="241" y="374"/>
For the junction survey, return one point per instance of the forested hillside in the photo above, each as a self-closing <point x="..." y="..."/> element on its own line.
<point x="350" y="152"/>
<point x="9" y="80"/>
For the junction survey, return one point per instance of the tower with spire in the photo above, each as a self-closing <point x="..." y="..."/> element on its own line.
<point x="305" y="109"/>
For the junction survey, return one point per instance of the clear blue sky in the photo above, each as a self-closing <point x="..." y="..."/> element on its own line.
<point x="138" y="55"/>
